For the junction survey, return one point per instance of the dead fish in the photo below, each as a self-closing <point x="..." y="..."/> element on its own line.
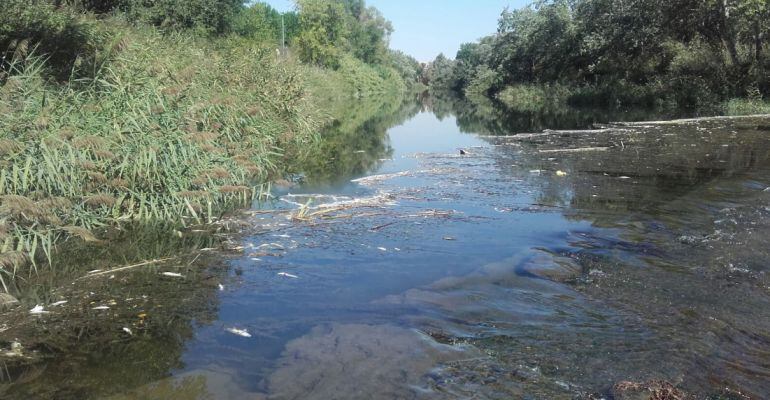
<point x="58" y="303"/>
<point x="173" y="275"/>
<point x="38" y="309"/>
<point x="100" y="308"/>
<point x="128" y="330"/>
<point x="221" y="287"/>
<point x="17" y="350"/>
<point x="561" y="173"/>
<point x="288" y="275"/>
<point x="239" y="332"/>
<point x="382" y="249"/>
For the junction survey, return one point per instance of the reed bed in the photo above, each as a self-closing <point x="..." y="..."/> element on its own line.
<point x="170" y="129"/>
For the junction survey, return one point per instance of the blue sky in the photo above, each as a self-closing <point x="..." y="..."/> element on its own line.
<point x="424" y="28"/>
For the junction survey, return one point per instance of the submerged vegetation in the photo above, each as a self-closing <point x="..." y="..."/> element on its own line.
<point x="116" y="112"/>
<point x="611" y="53"/>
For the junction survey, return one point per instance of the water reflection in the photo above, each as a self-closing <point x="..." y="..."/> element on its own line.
<point x="547" y="265"/>
<point x="480" y="115"/>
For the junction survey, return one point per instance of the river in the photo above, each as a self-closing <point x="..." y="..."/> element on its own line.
<point x="537" y="264"/>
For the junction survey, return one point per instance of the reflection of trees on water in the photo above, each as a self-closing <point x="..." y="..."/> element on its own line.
<point x="484" y="116"/>
<point x="358" y="140"/>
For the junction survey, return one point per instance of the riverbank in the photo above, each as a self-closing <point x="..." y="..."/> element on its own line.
<point x="170" y="127"/>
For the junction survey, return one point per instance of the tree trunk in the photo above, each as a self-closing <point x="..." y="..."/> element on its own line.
<point x="726" y="33"/>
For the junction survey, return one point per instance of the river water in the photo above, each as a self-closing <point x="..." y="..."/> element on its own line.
<point x="538" y="265"/>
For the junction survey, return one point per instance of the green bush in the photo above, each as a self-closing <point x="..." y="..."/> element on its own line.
<point x="206" y="16"/>
<point x="70" y="41"/>
<point x="483" y="81"/>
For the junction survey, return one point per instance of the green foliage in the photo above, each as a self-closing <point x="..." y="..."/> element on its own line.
<point x="70" y="41"/>
<point x="691" y="53"/>
<point x="206" y="16"/>
<point x="483" y="82"/>
<point x="323" y="34"/>
<point x="172" y="129"/>
<point x="171" y="123"/>
<point x="531" y="98"/>
<point x="260" y="22"/>
<point x="441" y="74"/>
<point x="406" y="66"/>
<point x="353" y="78"/>
<point x="330" y="28"/>
<point x="369" y="35"/>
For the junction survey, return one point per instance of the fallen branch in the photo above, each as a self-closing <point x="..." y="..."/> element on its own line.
<point x="100" y="273"/>
<point x="578" y="150"/>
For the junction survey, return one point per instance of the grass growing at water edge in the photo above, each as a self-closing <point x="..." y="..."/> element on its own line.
<point x="173" y="128"/>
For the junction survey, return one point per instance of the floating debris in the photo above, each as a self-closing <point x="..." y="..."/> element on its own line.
<point x="38" y="309"/>
<point x="221" y="287"/>
<point x="128" y="330"/>
<point x="561" y="173"/>
<point x="173" y="274"/>
<point x="239" y="332"/>
<point x="449" y="238"/>
<point x="382" y="249"/>
<point x="579" y="150"/>
<point x="287" y="275"/>
<point x="378" y="178"/>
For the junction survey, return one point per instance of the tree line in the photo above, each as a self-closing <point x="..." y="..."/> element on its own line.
<point x="604" y="52"/>
<point x="320" y="32"/>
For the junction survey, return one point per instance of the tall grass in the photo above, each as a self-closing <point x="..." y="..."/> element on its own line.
<point x="170" y="129"/>
<point x="747" y="107"/>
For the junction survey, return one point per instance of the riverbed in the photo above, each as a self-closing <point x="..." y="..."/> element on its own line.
<point x="448" y="257"/>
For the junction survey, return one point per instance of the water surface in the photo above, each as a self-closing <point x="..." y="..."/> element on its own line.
<point x="538" y="265"/>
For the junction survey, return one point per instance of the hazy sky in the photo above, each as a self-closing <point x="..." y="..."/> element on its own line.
<point x="424" y="28"/>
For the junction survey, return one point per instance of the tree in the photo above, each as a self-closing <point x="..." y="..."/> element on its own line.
<point x="323" y="31"/>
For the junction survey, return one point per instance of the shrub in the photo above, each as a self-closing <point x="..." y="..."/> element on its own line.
<point x="206" y="16"/>
<point x="70" y="41"/>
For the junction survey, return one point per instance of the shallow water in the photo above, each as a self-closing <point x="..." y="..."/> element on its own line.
<point x="545" y="266"/>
